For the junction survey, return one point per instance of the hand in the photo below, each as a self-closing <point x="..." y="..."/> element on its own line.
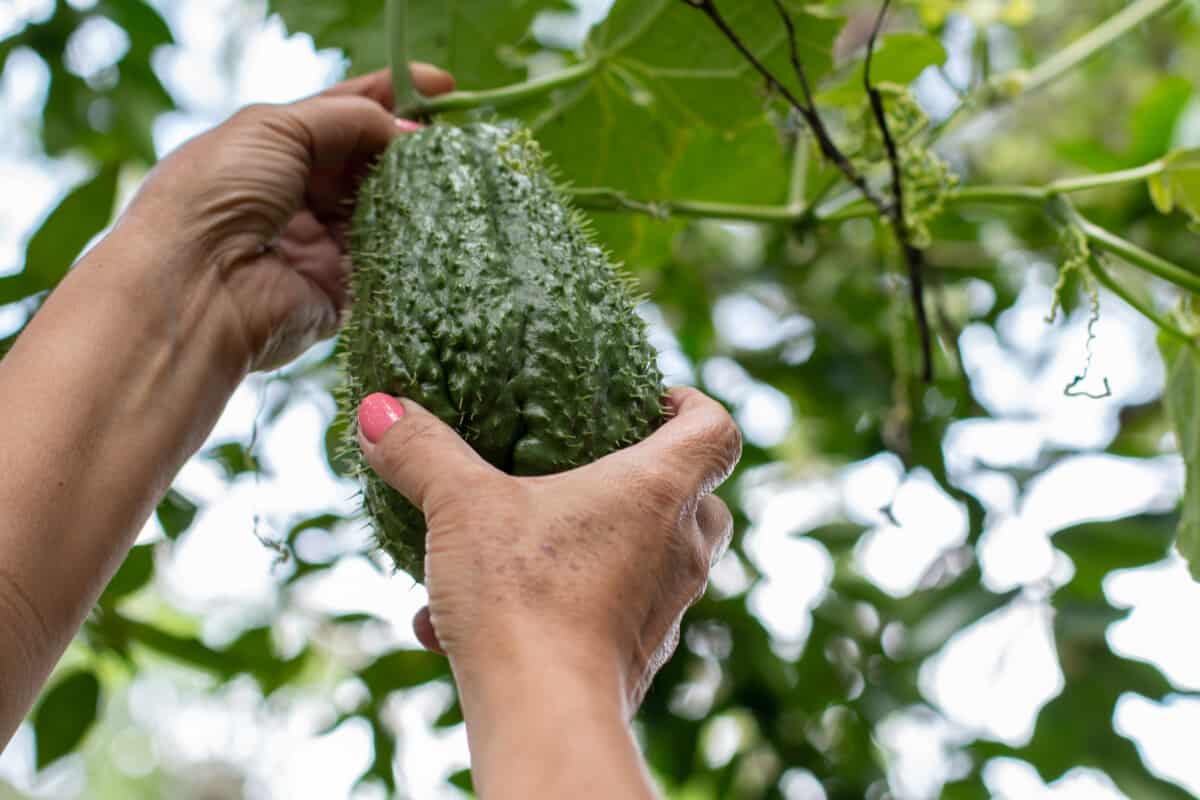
<point x="261" y="203"/>
<point x="593" y="566"/>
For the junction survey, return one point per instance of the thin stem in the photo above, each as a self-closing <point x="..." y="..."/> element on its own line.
<point x="1053" y="68"/>
<point x="180" y="648"/>
<point x="1155" y="265"/>
<point x="794" y="55"/>
<point x="1069" y="185"/>
<point x="506" y="95"/>
<point x="1000" y="195"/>
<point x="612" y="200"/>
<point x="805" y="108"/>
<point x="1094" y="41"/>
<point x="1144" y="309"/>
<point x="798" y="184"/>
<point x="407" y="99"/>
<point x="602" y="199"/>
<point x="914" y="259"/>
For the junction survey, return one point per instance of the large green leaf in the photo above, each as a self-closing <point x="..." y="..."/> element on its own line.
<point x="476" y="40"/>
<point x="899" y="59"/>
<point x="1153" y="122"/>
<point x="108" y="116"/>
<point x="80" y="216"/>
<point x="64" y="716"/>
<point x="146" y="28"/>
<point x="674" y="111"/>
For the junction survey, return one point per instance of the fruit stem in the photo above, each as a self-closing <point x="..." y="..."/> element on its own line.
<point x="407" y="100"/>
<point x="503" y="95"/>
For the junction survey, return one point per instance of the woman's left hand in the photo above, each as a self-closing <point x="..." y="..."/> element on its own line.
<point x="262" y="202"/>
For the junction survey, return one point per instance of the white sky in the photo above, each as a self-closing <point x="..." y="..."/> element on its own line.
<point x="990" y="679"/>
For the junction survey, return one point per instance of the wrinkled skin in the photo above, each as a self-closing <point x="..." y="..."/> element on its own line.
<point x="603" y="559"/>
<point x="265" y="199"/>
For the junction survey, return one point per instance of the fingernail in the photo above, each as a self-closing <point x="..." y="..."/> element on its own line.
<point x="408" y="126"/>
<point x="378" y="413"/>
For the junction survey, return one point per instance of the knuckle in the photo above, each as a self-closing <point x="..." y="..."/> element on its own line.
<point x="270" y="120"/>
<point x="726" y="437"/>
<point x="718" y="447"/>
<point x="660" y="491"/>
<point x="414" y="435"/>
<point x="254" y="114"/>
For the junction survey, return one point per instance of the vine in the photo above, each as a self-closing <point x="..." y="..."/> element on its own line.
<point x="406" y="99"/>
<point x="921" y="184"/>
<point x="914" y="257"/>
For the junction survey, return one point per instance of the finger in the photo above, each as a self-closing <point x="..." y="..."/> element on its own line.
<point x="429" y="81"/>
<point x="426" y="635"/>
<point x="699" y="443"/>
<point x="716" y="526"/>
<point x="416" y="453"/>
<point x="313" y="253"/>
<point x="341" y="136"/>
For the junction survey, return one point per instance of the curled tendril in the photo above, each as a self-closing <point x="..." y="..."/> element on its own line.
<point x="1076" y="252"/>
<point x="1071" y="389"/>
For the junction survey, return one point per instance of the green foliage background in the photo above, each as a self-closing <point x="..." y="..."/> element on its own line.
<point x="663" y="120"/>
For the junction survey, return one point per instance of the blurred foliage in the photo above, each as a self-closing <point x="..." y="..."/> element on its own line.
<point x="667" y="111"/>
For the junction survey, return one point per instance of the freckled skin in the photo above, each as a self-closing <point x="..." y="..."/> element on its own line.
<point x="480" y="295"/>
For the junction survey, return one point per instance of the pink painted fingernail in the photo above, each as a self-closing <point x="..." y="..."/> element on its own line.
<point x="408" y="126"/>
<point x="378" y="413"/>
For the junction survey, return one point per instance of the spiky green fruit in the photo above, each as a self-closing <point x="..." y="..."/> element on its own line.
<point x="480" y="294"/>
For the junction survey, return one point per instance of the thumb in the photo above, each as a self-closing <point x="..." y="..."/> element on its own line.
<point x="415" y="452"/>
<point x="699" y="444"/>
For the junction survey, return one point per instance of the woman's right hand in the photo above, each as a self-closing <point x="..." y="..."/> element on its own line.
<point x="589" y="570"/>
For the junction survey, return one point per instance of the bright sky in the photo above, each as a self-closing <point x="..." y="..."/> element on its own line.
<point x="990" y="679"/>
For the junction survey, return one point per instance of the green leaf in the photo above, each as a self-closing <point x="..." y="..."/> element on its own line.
<point x="146" y="28"/>
<point x="135" y="572"/>
<point x="354" y="618"/>
<point x="403" y="669"/>
<point x="1182" y="399"/>
<point x="1178" y="185"/>
<point x="450" y="717"/>
<point x="462" y="780"/>
<point x="1153" y="121"/>
<point x="254" y="653"/>
<point x="81" y="215"/>
<point x="674" y="111"/>
<point x="64" y="716"/>
<point x="385" y="753"/>
<point x="323" y="522"/>
<point x="1160" y="194"/>
<point x="235" y="459"/>
<point x="1098" y="548"/>
<point x="837" y="537"/>
<point x="899" y="59"/>
<point x="473" y="39"/>
<point x="175" y="513"/>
